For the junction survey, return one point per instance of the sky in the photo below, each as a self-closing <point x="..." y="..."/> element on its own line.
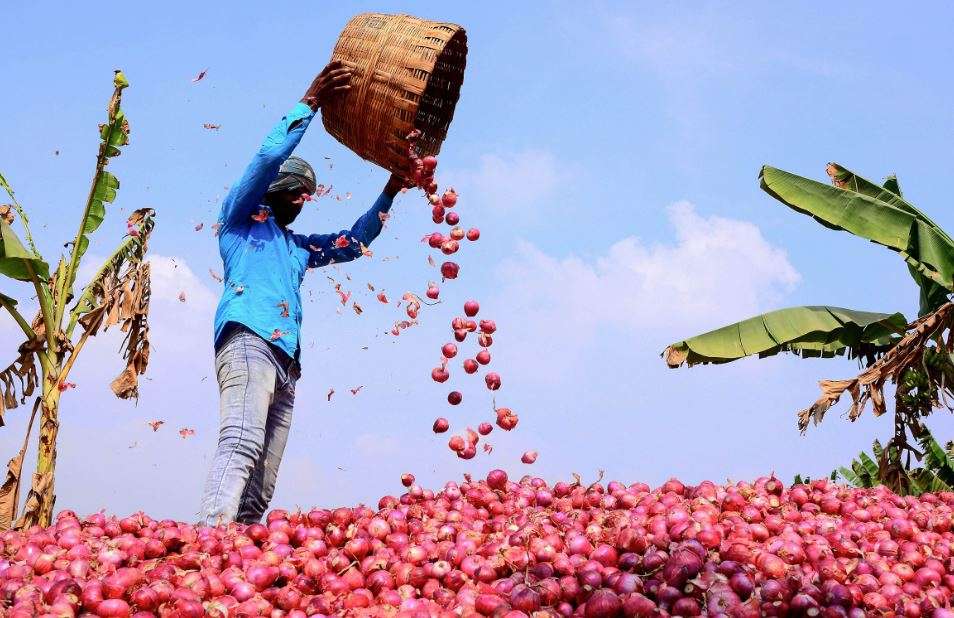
<point x="609" y="154"/>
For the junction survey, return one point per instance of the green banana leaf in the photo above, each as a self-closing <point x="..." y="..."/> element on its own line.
<point x="869" y="465"/>
<point x="932" y="295"/>
<point x="891" y="184"/>
<point x="924" y="480"/>
<point x="815" y="331"/>
<point x="114" y="134"/>
<point x="16" y="261"/>
<point x="937" y="460"/>
<point x="922" y="245"/>
<point x="105" y="184"/>
<point x="853" y="479"/>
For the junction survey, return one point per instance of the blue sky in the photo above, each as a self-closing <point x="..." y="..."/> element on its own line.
<point x="609" y="153"/>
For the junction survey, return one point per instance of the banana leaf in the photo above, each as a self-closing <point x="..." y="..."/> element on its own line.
<point x="114" y="134"/>
<point x="932" y="295"/>
<point x="891" y="184"/>
<point x="919" y="241"/>
<point x="131" y="250"/>
<point x="853" y="479"/>
<point x="16" y="261"/>
<point x="927" y="481"/>
<point x="815" y="331"/>
<point x="937" y="461"/>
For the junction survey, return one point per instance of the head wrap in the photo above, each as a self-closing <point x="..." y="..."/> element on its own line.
<point x="295" y="174"/>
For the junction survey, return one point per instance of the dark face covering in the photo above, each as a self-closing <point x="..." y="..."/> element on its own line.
<point x="295" y="177"/>
<point x="283" y="207"/>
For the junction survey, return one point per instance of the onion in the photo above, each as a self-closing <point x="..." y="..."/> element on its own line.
<point x="449" y="198"/>
<point x="441" y="425"/>
<point x="116" y="608"/>
<point x="497" y="479"/>
<point x="454" y="398"/>
<point x="603" y="603"/>
<point x="450" y="270"/>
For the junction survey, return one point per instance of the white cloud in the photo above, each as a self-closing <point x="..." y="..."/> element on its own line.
<point x="171" y="275"/>
<point x="715" y="270"/>
<point x="509" y="182"/>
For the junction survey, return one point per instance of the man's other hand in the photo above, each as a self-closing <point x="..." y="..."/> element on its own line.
<point x="395" y="184"/>
<point x="333" y="80"/>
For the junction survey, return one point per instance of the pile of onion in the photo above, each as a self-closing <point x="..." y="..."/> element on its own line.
<point x="499" y="547"/>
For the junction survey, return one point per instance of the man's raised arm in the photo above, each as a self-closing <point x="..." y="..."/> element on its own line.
<point x="246" y="195"/>
<point x="346" y="245"/>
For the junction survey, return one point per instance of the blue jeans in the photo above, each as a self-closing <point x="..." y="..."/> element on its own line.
<point x="256" y="397"/>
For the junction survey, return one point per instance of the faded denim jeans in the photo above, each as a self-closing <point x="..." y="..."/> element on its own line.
<point x="256" y="397"/>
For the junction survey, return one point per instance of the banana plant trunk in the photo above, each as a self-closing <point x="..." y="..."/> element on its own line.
<point x="38" y="509"/>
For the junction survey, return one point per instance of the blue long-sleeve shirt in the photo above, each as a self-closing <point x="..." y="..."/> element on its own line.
<point x="265" y="264"/>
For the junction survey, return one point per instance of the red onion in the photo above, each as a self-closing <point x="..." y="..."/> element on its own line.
<point x="116" y="608"/>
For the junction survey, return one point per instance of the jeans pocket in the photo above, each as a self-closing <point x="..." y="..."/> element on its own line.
<point x="226" y="356"/>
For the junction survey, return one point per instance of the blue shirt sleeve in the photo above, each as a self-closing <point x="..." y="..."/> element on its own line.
<point x="246" y="195"/>
<point x="323" y="248"/>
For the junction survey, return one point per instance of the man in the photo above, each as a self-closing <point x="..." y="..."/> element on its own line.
<point x="259" y="316"/>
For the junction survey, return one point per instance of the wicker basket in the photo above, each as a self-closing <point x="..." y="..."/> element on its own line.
<point x="409" y="73"/>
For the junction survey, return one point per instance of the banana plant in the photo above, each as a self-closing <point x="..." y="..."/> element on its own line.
<point x="118" y="294"/>
<point x="935" y="474"/>
<point x="914" y="356"/>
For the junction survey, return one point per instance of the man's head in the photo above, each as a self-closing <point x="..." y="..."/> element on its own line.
<point x="293" y="186"/>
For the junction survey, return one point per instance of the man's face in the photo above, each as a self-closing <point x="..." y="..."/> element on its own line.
<point x="287" y="205"/>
